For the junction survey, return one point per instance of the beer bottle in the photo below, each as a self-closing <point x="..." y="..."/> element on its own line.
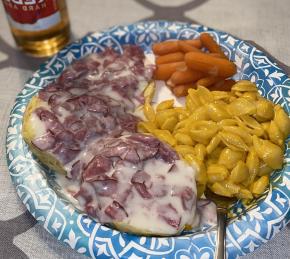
<point x="39" y="27"/>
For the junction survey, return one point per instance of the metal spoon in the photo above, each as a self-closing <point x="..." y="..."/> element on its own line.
<point x="222" y="204"/>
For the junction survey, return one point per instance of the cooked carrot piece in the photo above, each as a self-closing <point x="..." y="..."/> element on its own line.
<point x="224" y="85"/>
<point x="168" y="58"/>
<point x="185" y="47"/>
<point x="184" y="77"/>
<point x="217" y="55"/>
<point x="195" y="43"/>
<point x="210" y="65"/>
<point x="181" y="90"/>
<point x="165" y="47"/>
<point x="208" y="42"/>
<point x="208" y="81"/>
<point x="164" y="71"/>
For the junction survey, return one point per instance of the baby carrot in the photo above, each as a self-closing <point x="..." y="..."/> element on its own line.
<point x="165" y="47"/>
<point x="195" y="43"/>
<point x="164" y="71"/>
<point x="210" y="65"/>
<point x="185" y="47"/>
<point x="224" y="85"/>
<point x="181" y="90"/>
<point x="208" y="42"/>
<point x="184" y="77"/>
<point x="168" y="58"/>
<point x="208" y="81"/>
<point x="217" y="55"/>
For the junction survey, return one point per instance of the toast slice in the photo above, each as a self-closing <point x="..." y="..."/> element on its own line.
<point x="82" y="126"/>
<point x="30" y="131"/>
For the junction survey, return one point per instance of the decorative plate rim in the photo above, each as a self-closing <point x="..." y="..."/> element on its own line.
<point x="93" y="239"/>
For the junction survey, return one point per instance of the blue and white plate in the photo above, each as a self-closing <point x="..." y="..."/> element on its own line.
<point x="258" y="223"/>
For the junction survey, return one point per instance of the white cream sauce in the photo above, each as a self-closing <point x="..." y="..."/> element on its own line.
<point x="143" y="212"/>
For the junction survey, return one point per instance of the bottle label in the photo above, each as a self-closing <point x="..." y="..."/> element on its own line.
<point x="32" y="15"/>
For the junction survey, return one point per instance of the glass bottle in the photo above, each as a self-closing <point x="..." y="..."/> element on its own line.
<point x="39" y="27"/>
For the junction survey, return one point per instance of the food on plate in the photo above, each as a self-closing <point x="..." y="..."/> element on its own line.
<point x="208" y="81"/>
<point x="210" y="65"/>
<point x="91" y="98"/>
<point x="235" y="138"/>
<point x="181" y="90"/>
<point x="209" y="69"/>
<point x="223" y="85"/>
<point x="141" y="165"/>
<point x="186" y="47"/>
<point x="185" y="77"/>
<point x="141" y="186"/>
<point x="164" y="71"/>
<point x="166" y="47"/>
<point x="172" y="57"/>
<point x="83" y="126"/>
<point x="208" y="42"/>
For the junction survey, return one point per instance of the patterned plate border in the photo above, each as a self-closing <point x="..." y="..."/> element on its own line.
<point x="267" y="216"/>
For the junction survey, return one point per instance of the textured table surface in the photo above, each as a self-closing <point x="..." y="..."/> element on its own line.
<point x="265" y="22"/>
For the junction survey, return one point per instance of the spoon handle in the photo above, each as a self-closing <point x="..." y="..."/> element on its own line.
<point x="220" y="252"/>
